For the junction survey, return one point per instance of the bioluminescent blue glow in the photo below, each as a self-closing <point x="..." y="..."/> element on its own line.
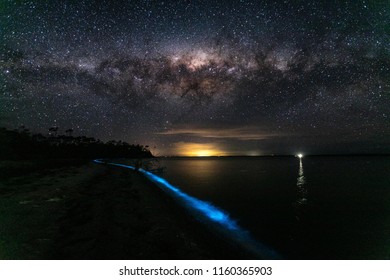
<point x="205" y="211"/>
<point x="213" y="213"/>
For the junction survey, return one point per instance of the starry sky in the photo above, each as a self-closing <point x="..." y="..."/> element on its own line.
<point x="201" y="77"/>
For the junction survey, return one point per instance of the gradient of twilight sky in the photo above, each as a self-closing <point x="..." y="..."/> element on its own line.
<point x="201" y="77"/>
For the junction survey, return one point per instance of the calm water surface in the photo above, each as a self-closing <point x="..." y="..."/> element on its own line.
<point x="314" y="208"/>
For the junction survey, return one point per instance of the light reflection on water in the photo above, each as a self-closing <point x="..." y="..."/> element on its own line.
<point x="209" y="214"/>
<point x="314" y="208"/>
<point x="301" y="187"/>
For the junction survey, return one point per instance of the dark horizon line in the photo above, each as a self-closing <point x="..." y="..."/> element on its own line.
<point x="281" y="155"/>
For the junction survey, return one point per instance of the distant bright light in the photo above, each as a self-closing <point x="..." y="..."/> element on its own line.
<point x="204" y="153"/>
<point x="300" y="155"/>
<point x="198" y="150"/>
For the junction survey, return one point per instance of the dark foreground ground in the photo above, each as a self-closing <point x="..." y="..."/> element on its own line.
<point x="80" y="210"/>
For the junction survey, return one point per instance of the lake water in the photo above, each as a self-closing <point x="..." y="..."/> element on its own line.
<point x="314" y="208"/>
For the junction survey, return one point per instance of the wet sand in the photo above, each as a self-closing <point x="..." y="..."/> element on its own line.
<point x="99" y="212"/>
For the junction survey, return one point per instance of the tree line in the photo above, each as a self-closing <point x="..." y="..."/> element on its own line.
<point x="22" y="144"/>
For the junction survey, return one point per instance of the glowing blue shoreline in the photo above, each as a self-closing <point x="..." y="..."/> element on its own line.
<point x="208" y="212"/>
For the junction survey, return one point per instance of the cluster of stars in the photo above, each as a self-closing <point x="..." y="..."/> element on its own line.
<point x="313" y="74"/>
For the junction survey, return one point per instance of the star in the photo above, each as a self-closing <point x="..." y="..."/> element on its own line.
<point x="307" y="74"/>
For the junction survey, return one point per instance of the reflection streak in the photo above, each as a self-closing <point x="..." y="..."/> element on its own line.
<point x="207" y="213"/>
<point x="301" y="190"/>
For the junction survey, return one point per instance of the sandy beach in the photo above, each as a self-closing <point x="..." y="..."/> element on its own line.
<point x="91" y="211"/>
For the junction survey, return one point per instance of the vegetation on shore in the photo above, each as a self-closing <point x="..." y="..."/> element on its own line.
<point x="20" y="144"/>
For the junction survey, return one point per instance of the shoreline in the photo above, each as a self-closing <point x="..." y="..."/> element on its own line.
<point x="101" y="212"/>
<point x="208" y="215"/>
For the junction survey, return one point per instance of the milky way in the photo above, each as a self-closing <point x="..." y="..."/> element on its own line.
<point x="243" y="77"/>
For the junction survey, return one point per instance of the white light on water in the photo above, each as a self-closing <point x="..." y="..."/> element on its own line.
<point x="300" y="155"/>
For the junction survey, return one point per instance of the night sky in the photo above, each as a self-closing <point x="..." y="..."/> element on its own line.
<point x="201" y="77"/>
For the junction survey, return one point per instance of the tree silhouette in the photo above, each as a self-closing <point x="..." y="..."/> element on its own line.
<point x="21" y="144"/>
<point x="69" y="132"/>
<point x="53" y="131"/>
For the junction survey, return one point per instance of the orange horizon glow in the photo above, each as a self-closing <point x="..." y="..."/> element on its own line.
<point x="198" y="150"/>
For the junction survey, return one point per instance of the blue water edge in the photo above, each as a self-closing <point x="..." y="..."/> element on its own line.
<point x="207" y="213"/>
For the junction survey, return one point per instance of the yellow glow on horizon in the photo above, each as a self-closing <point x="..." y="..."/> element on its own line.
<point x="204" y="153"/>
<point x="198" y="150"/>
